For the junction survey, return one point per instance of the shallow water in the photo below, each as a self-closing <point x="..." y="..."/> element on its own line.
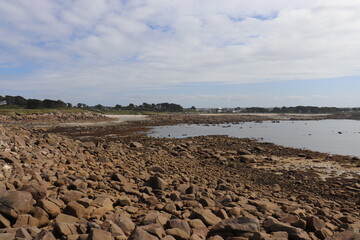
<point x="330" y="136"/>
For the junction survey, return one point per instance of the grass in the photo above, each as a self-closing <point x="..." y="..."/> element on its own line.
<point x="24" y="111"/>
<point x="134" y="112"/>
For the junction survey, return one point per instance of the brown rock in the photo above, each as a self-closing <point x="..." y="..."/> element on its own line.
<point x="26" y="220"/>
<point x="21" y="233"/>
<point x="51" y="208"/>
<point x="158" y="183"/>
<point x="273" y="225"/>
<point x="346" y="235"/>
<point x="65" y="229"/>
<point x="74" y="209"/>
<point x="45" y="235"/>
<point x="125" y="223"/>
<point x="155" y="229"/>
<point x="97" y="234"/>
<point x="4" y="223"/>
<point x="141" y="234"/>
<point x="181" y="224"/>
<point x="15" y="202"/>
<point x="236" y="226"/>
<point x="124" y="201"/>
<point x="37" y="191"/>
<point x="314" y="223"/>
<point x="178" y="233"/>
<point x="66" y="218"/>
<point x="206" y="216"/>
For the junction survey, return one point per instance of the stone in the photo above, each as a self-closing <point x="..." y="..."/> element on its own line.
<point x="97" y="234"/>
<point x="15" y="202"/>
<point x="41" y="215"/>
<point x="314" y="223"/>
<point x="236" y="226"/>
<point x="323" y="233"/>
<point x="26" y="220"/>
<point x="115" y="230"/>
<point x="37" y="191"/>
<point x="273" y="225"/>
<point x="4" y="222"/>
<point x="124" y="201"/>
<point x="136" y="145"/>
<point x="21" y="233"/>
<point x="66" y="218"/>
<point x="247" y="158"/>
<point x="207" y="216"/>
<point x="158" y="183"/>
<point x="45" y="235"/>
<point x="65" y="229"/>
<point x="346" y="235"/>
<point x="207" y="202"/>
<point x="264" y="205"/>
<point x="178" y="233"/>
<point x="51" y="208"/>
<point x="181" y="224"/>
<point x="74" y="209"/>
<point x="141" y="234"/>
<point x="155" y="217"/>
<point x="155" y="229"/>
<point x="125" y="223"/>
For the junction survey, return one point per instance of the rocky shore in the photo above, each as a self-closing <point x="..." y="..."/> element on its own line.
<point x="99" y="186"/>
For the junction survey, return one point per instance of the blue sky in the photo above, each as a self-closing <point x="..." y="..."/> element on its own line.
<point x="194" y="52"/>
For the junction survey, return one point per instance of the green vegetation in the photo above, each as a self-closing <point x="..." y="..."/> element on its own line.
<point x="24" y="111"/>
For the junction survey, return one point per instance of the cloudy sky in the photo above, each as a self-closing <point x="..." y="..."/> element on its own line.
<point x="207" y="53"/>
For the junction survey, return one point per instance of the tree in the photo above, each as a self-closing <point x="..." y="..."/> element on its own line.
<point x="34" y="104"/>
<point x="193" y="108"/>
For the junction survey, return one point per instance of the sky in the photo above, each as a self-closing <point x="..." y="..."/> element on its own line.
<point x="203" y="53"/>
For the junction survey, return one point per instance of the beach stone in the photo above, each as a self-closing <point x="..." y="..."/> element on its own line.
<point x="141" y="234"/>
<point x="74" y="209"/>
<point x="21" y="233"/>
<point x="314" y="223"/>
<point x="346" y="235"/>
<point x="158" y="183"/>
<point x="273" y="225"/>
<point x="4" y="222"/>
<point x="124" y="201"/>
<point x="65" y="229"/>
<point x="45" y="235"/>
<point x="207" y="216"/>
<point x="178" y="233"/>
<point x="26" y="220"/>
<point x="18" y="201"/>
<point x="236" y="225"/>
<point x="181" y="224"/>
<point x="125" y="223"/>
<point x="155" y="229"/>
<point x="37" y="191"/>
<point x="51" y="208"/>
<point x="97" y="234"/>
<point x="66" y="218"/>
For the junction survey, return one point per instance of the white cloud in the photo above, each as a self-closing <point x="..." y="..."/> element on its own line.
<point x="110" y="44"/>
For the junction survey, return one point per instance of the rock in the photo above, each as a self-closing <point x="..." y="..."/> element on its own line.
<point x="21" y="233"/>
<point x="273" y="225"/>
<point x="124" y="201"/>
<point x="41" y="215"/>
<point x="247" y="159"/>
<point x="37" y="191"/>
<point x="65" y="229"/>
<point x="155" y="217"/>
<point x="115" y="230"/>
<point x="207" y="202"/>
<point x="51" y="208"/>
<point x="206" y="216"/>
<point x="236" y="226"/>
<point x="7" y="236"/>
<point x="136" y="145"/>
<point x="45" y="235"/>
<point x="346" y="235"/>
<point x="66" y="218"/>
<point x="13" y="203"/>
<point x="125" y="223"/>
<point x="4" y="223"/>
<point x="264" y="205"/>
<point x="158" y="183"/>
<point x="26" y="220"/>
<point x="97" y="234"/>
<point x="196" y="223"/>
<point x="314" y="223"/>
<point x="155" y="229"/>
<point x="140" y="234"/>
<point x="181" y="224"/>
<point x="74" y="209"/>
<point x="323" y="233"/>
<point x="178" y="233"/>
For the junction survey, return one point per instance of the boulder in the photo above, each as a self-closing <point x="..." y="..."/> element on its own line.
<point x="13" y="203"/>
<point x="236" y="226"/>
<point x="97" y="234"/>
<point x="273" y="225"/>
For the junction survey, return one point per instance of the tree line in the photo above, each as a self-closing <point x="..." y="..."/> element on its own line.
<point x="300" y="109"/>
<point x="21" y="102"/>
